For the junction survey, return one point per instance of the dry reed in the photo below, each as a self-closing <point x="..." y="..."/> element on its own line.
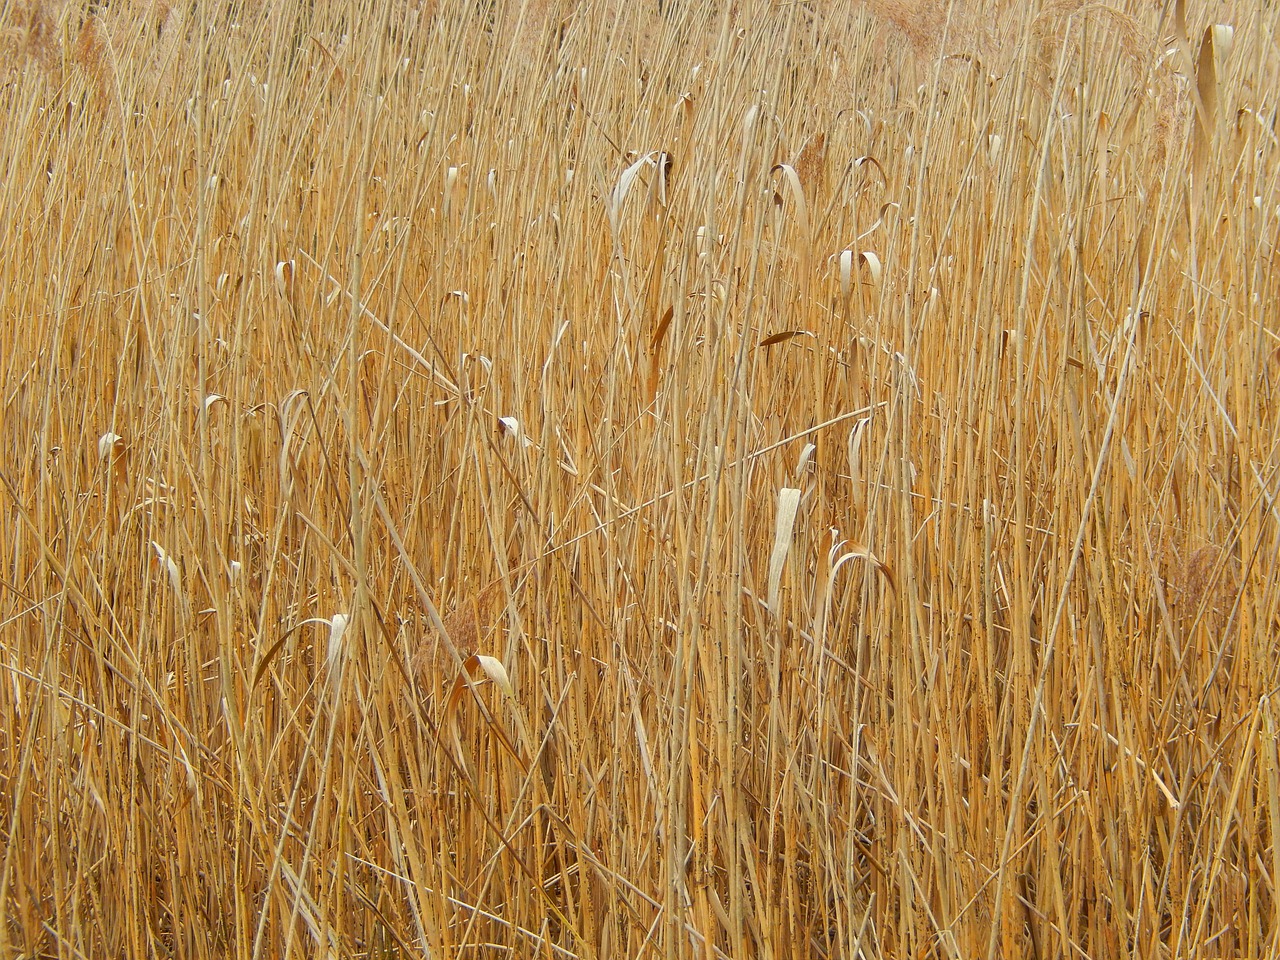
<point x="848" y="469"/>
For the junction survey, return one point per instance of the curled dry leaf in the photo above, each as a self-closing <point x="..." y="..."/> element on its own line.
<point x="110" y="444"/>
<point x="806" y="458"/>
<point x="887" y="208"/>
<point x="510" y="426"/>
<point x="623" y="187"/>
<point x="873" y="266"/>
<point x="284" y="277"/>
<point x="665" y="166"/>
<point x="769" y="341"/>
<point x="858" y="552"/>
<point x="663" y="325"/>
<point x="861" y="161"/>
<point x="856" y="437"/>
<point x="168" y="565"/>
<point x="792" y="179"/>
<point x="491" y="668"/>
<point x="496" y="672"/>
<point x="337" y="627"/>
<point x="655" y="345"/>
<point x="479" y="668"/>
<point x="784" y="529"/>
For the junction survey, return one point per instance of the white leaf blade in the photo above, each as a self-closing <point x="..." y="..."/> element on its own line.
<point x="623" y="187"/>
<point x="109" y="443"/>
<point x="784" y="529"/>
<point x="496" y="672"/>
<point x="337" y="628"/>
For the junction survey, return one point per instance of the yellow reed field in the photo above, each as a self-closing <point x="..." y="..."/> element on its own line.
<point x="619" y="479"/>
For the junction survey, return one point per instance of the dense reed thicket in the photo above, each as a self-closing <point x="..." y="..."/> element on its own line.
<point x="717" y="478"/>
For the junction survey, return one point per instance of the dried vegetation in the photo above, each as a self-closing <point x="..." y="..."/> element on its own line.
<point x="620" y="479"/>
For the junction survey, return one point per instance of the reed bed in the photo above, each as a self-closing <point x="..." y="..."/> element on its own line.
<point x="631" y="479"/>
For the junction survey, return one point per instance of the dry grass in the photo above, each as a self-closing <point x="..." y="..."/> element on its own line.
<point x="430" y="333"/>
